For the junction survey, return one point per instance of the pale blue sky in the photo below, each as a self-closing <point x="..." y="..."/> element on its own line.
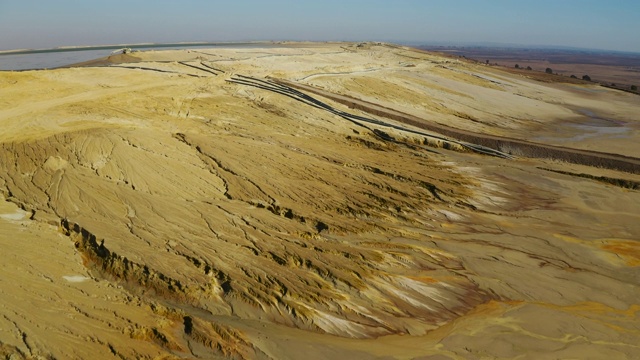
<point x="604" y="24"/>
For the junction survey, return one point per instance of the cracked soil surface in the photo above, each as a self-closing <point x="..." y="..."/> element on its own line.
<point x="155" y="210"/>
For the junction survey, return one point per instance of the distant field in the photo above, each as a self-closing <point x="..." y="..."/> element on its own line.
<point x="619" y="70"/>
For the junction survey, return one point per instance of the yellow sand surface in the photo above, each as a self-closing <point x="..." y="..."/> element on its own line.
<point x="156" y="210"/>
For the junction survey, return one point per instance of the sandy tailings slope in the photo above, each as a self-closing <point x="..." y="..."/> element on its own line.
<point x="158" y="210"/>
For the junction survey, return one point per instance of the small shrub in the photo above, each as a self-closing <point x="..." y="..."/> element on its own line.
<point x="586" y="78"/>
<point x="634" y="88"/>
<point x="549" y="71"/>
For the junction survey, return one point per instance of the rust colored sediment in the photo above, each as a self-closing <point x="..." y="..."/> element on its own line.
<point x="508" y="145"/>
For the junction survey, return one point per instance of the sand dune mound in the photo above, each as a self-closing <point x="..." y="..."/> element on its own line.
<point x="156" y="209"/>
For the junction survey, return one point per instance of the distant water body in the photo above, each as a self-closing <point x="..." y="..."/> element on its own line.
<point x="53" y="58"/>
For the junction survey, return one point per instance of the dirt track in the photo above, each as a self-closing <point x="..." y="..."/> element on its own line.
<point x="508" y="145"/>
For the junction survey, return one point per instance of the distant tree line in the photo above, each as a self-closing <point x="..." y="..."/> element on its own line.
<point x="584" y="77"/>
<point x="518" y="67"/>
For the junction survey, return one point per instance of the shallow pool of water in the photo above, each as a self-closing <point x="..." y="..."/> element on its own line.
<point x="52" y="58"/>
<point x="590" y="126"/>
<point x="48" y="60"/>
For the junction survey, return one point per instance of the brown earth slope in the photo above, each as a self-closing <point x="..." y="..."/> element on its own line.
<point x="156" y="210"/>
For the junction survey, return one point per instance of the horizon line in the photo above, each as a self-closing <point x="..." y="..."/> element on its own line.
<point x="413" y="43"/>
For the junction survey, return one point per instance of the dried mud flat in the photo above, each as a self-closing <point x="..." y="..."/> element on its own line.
<point x="161" y="209"/>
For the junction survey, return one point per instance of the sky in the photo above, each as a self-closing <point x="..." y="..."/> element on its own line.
<point x="595" y="24"/>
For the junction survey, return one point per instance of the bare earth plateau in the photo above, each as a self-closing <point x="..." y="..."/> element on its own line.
<point x="316" y="201"/>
